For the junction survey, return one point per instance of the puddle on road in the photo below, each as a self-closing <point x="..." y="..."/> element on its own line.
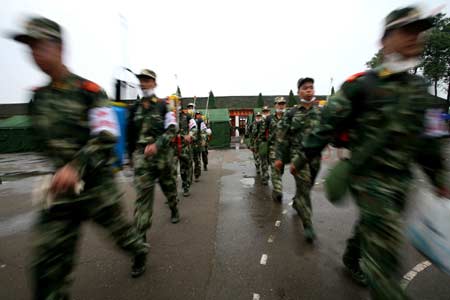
<point x="248" y="182"/>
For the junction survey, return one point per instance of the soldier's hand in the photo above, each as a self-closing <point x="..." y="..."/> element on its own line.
<point x="278" y="165"/>
<point x="293" y="169"/>
<point x="64" y="180"/>
<point x="150" y="150"/>
<point x="188" y="138"/>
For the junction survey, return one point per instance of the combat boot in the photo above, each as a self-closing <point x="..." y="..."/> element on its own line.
<point x="205" y="167"/>
<point x="175" y="216"/>
<point x="186" y="193"/>
<point x="139" y="262"/>
<point x="309" y="233"/>
<point x="352" y="265"/>
<point x="277" y="196"/>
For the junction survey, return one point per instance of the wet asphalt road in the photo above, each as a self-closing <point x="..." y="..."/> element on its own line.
<point x="233" y="242"/>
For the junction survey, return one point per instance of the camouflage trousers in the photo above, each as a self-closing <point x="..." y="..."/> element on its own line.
<point x="205" y="157"/>
<point x="147" y="171"/>
<point x="264" y="159"/>
<point x="275" y="174"/>
<point x="304" y="182"/>
<point x="377" y="236"/>
<point x="186" y="167"/>
<point x="197" y="162"/>
<point x="257" y="160"/>
<point x="58" y="230"/>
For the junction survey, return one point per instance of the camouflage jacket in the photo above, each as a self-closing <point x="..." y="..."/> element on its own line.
<point x="273" y="122"/>
<point x="257" y="133"/>
<point x="157" y="124"/>
<point x="389" y="129"/>
<point x="200" y="135"/>
<point x="74" y="122"/>
<point x="295" y="125"/>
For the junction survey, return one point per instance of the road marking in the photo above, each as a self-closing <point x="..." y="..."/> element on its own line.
<point x="284" y="212"/>
<point x="408" y="277"/>
<point x="290" y="203"/>
<point x="277" y="223"/>
<point x="263" y="260"/>
<point x="271" y="238"/>
<point x="256" y="296"/>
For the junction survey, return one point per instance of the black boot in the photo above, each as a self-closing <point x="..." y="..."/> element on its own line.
<point x="205" y="167"/>
<point x="138" y="267"/>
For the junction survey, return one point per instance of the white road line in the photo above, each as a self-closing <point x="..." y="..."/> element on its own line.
<point x="290" y="203"/>
<point x="256" y="296"/>
<point x="271" y="238"/>
<point x="263" y="260"/>
<point x="284" y="212"/>
<point x="408" y="277"/>
<point x="277" y="223"/>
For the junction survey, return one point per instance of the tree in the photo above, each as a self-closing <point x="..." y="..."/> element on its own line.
<point x="178" y="93"/>
<point x="291" y="99"/>
<point x="260" y="102"/>
<point x="332" y="91"/>
<point x="376" y="60"/>
<point x="436" y="57"/>
<point x="211" y="101"/>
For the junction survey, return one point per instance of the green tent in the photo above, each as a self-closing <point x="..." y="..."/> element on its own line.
<point x="219" y="122"/>
<point x="16" y="135"/>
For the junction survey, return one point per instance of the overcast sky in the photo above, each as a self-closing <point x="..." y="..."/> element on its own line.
<point x="233" y="47"/>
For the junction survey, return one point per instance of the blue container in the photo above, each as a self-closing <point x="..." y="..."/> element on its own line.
<point x="121" y="111"/>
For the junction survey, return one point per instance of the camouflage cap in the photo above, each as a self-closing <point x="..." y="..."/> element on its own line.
<point x="303" y="80"/>
<point x="190" y="104"/>
<point x="146" y="73"/>
<point x="258" y="114"/>
<point x="279" y="100"/>
<point x="407" y="16"/>
<point x="39" y="28"/>
<point x="265" y="108"/>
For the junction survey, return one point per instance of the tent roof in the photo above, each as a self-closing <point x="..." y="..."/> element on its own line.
<point x="16" y="122"/>
<point x="217" y="114"/>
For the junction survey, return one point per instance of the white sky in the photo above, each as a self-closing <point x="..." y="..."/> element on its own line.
<point x="233" y="47"/>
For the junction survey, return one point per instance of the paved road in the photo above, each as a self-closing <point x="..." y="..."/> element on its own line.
<point x="233" y="243"/>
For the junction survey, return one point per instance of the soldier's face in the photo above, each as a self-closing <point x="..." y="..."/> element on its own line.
<point x="46" y="54"/>
<point x="306" y="91"/>
<point x="407" y="41"/>
<point x="147" y="83"/>
<point x="280" y="106"/>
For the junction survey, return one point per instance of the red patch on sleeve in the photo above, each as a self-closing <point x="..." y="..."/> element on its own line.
<point x="90" y="86"/>
<point x="355" y="76"/>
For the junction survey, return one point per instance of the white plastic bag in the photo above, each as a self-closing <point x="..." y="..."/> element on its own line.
<point x="429" y="228"/>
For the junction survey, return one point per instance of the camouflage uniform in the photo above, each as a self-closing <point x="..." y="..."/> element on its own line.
<point x="276" y="174"/>
<point x="187" y="127"/>
<point x="255" y="128"/>
<point x="296" y="124"/>
<point x="60" y="120"/>
<point x="207" y="137"/>
<point x="199" y="146"/>
<point x="152" y="127"/>
<point x="74" y="123"/>
<point x="387" y="135"/>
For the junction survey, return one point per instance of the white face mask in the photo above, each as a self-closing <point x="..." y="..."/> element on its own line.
<point x="148" y="92"/>
<point x="279" y="110"/>
<point x="396" y="63"/>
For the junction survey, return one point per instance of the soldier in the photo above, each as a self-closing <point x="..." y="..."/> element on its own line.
<point x="207" y="132"/>
<point x="199" y="145"/>
<point x="273" y="122"/>
<point x="156" y="127"/>
<point x="262" y="137"/>
<point x="73" y="120"/>
<point x="297" y="123"/>
<point x="254" y="129"/>
<point x="187" y="132"/>
<point x="387" y="113"/>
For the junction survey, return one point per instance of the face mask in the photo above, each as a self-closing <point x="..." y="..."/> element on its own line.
<point x="258" y="120"/>
<point x="148" y="92"/>
<point x="396" y="63"/>
<point x="279" y="110"/>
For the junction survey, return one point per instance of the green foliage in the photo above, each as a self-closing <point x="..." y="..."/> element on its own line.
<point x="212" y="101"/>
<point x="376" y="60"/>
<point x="178" y="93"/>
<point x="332" y="91"/>
<point x="291" y="99"/>
<point x="260" y="101"/>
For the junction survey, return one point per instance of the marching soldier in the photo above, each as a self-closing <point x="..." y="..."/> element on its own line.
<point x="73" y="120"/>
<point x="296" y="124"/>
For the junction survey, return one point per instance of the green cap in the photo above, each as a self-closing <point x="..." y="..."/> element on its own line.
<point x="39" y="28"/>
<point x="407" y="16"/>
<point x="258" y="114"/>
<point x="146" y="73"/>
<point x="279" y="100"/>
<point x="265" y="108"/>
